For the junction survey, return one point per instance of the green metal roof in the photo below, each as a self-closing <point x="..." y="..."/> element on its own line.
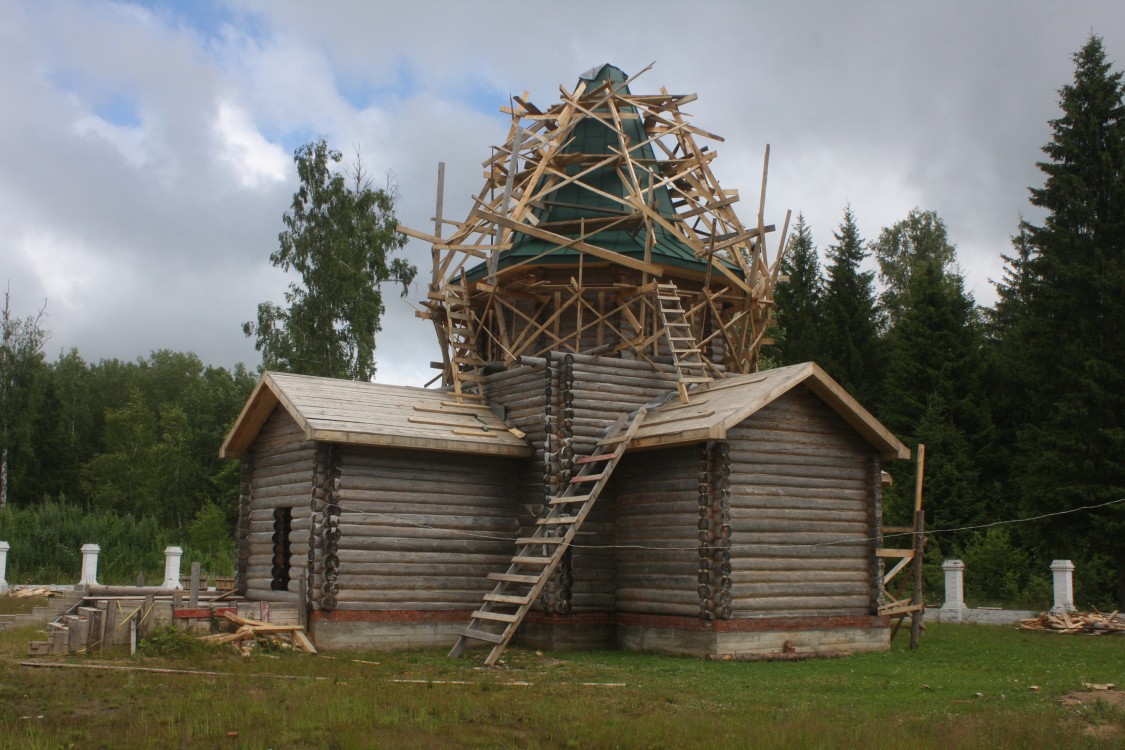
<point x="572" y="203"/>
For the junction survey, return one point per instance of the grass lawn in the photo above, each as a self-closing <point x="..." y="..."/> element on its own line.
<point x="968" y="686"/>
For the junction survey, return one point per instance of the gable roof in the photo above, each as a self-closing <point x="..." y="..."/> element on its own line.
<point x="727" y="403"/>
<point x="345" y="411"/>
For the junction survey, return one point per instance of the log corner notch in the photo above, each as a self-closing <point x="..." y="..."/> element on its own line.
<point x="585" y="205"/>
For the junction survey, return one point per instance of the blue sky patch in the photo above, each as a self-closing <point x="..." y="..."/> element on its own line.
<point x="118" y="109"/>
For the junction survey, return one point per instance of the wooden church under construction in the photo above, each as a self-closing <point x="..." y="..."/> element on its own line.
<point x="603" y="465"/>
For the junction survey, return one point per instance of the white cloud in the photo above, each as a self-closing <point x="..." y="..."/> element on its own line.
<point x="254" y="159"/>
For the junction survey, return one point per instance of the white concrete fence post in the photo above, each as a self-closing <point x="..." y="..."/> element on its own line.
<point x="1063" y="573"/>
<point x="172" y="557"/>
<point x="4" y="547"/>
<point x="89" y="565"/>
<point x="954" y="609"/>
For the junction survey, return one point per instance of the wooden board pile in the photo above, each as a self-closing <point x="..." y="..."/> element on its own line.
<point x="250" y="633"/>
<point x="1076" y="622"/>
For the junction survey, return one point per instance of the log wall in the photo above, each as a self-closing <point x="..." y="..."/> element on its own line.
<point x="282" y="466"/>
<point x="422" y="530"/>
<point x="803" y="515"/>
<point x="657" y="516"/>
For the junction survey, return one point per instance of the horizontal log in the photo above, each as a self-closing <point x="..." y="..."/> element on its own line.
<point x="447" y="484"/>
<point x="378" y="501"/>
<point x="741" y="453"/>
<point x="851" y="604"/>
<point x="837" y="529"/>
<point x="812" y="589"/>
<point x="752" y="566"/>
<point x="616" y="362"/>
<point x="383" y="550"/>
<point x="411" y="599"/>
<point x="750" y="492"/>
<point x="812" y="539"/>
<point x="856" y="475"/>
<point x="783" y="481"/>
<point x="423" y="526"/>
<point x="762" y="551"/>
<point x="402" y="464"/>
<point x="298" y="493"/>
<point x="643" y="607"/>
<point x="856" y="514"/>
<point x="404" y="543"/>
<point x="859" y="578"/>
<point x="402" y="584"/>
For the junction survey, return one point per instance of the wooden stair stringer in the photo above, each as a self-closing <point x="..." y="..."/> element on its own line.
<point x="553" y="535"/>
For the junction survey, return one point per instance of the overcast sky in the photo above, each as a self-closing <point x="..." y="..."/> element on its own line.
<point x="146" y="151"/>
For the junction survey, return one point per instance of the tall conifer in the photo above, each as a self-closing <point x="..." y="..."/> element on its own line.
<point x="849" y="348"/>
<point x="798" y="300"/>
<point x="1073" y="336"/>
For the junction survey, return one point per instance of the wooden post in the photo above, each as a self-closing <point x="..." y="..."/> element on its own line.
<point x="109" y="627"/>
<point x="302" y="602"/>
<point x="193" y="593"/>
<point x="919" y="550"/>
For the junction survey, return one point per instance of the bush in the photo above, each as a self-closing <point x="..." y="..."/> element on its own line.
<point x="167" y="641"/>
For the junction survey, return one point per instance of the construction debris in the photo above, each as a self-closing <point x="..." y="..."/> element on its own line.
<point x="30" y="593"/>
<point x="251" y="633"/>
<point x="1094" y="622"/>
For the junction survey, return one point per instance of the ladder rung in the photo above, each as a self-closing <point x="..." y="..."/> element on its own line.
<point x="480" y="614"/>
<point x="685" y="351"/>
<point x="528" y="541"/>
<point x="526" y="560"/>
<point x="586" y="478"/>
<point x="506" y="599"/>
<point x="678" y="324"/>
<point x="556" y="521"/>
<point x="481" y="635"/>
<point x="676" y="309"/>
<point x="513" y="578"/>
<point x="695" y="380"/>
<point x="595" y="459"/>
<point x="563" y="499"/>
<point x="668" y="296"/>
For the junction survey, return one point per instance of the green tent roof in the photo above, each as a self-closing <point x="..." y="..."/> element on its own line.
<point x="567" y="207"/>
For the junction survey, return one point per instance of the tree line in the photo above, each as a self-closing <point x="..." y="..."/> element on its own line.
<point x="122" y="454"/>
<point x="1021" y="406"/>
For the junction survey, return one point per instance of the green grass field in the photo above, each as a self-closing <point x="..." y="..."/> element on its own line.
<point x="967" y="687"/>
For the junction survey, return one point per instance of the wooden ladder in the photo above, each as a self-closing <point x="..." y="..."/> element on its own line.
<point x="461" y="335"/>
<point x="538" y="555"/>
<point x="686" y="356"/>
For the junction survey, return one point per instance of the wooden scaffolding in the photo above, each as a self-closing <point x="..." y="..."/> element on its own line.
<point x="601" y="228"/>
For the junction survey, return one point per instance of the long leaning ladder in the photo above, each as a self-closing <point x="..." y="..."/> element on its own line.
<point x="686" y="356"/>
<point x="537" y="556"/>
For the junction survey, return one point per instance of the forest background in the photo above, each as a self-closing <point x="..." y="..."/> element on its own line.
<point x="1021" y="405"/>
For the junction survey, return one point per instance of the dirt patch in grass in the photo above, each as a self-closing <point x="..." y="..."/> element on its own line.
<point x="1100" y="712"/>
<point x="1078" y="698"/>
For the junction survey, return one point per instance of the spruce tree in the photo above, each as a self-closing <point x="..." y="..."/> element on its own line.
<point x="849" y="345"/>
<point x="798" y="300"/>
<point x="1072" y="339"/>
<point x="933" y="394"/>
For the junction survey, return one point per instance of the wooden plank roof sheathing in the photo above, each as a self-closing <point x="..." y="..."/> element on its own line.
<point x="345" y="411"/>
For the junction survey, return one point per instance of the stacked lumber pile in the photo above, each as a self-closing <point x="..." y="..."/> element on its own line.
<point x="1076" y="622"/>
<point x="250" y="633"/>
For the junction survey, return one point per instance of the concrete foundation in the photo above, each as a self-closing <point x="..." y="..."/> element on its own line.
<point x="748" y="638"/>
